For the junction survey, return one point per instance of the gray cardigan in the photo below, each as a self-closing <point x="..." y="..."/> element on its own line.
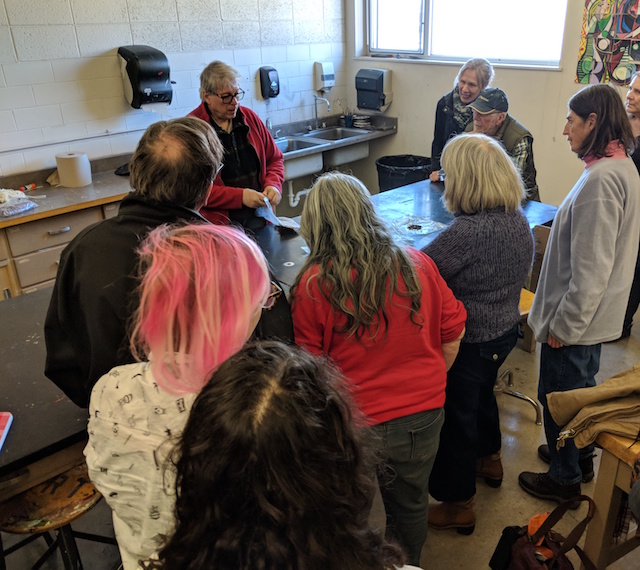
<point x="485" y="259"/>
<point x="590" y="259"/>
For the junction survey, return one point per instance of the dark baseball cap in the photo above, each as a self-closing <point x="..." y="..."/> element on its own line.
<point x="490" y="100"/>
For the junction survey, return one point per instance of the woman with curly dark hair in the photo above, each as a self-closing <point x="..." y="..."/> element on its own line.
<point x="273" y="472"/>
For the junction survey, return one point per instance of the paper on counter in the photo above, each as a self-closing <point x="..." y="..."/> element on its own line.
<point x="268" y="214"/>
<point x="6" y="194"/>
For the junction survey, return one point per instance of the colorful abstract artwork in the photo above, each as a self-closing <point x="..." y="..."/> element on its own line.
<point x="610" y="42"/>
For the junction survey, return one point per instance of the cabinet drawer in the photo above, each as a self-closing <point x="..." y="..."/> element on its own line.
<point x="39" y="286"/>
<point x="50" y="232"/>
<point x="38" y="266"/>
<point x="110" y="210"/>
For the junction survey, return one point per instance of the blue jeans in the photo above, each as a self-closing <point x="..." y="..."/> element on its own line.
<point x="562" y="369"/>
<point x="471" y="425"/>
<point x="409" y="445"/>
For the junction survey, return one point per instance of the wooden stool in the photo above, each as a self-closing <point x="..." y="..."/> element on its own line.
<point x="52" y="505"/>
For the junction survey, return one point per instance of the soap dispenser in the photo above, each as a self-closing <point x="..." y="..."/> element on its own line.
<point x="269" y="82"/>
<point x="324" y="77"/>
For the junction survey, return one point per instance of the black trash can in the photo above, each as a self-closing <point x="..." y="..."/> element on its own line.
<point x="402" y="169"/>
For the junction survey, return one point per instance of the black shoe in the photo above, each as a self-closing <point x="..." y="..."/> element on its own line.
<point x="542" y="486"/>
<point x="585" y="463"/>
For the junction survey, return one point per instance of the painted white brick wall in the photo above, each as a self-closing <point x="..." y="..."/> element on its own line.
<point x="60" y="83"/>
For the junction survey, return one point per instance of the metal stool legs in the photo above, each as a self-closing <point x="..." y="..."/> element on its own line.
<point x="505" y="385"/>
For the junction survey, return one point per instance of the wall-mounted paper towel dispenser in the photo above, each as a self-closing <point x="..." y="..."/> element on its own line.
<point x="145" y="75"/>
<point x="373" y="87"/>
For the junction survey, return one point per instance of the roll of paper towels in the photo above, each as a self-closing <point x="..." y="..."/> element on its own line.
<point x="74" y="169"/>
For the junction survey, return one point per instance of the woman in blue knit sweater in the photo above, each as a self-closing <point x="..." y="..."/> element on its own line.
<point x="484" y="256"/>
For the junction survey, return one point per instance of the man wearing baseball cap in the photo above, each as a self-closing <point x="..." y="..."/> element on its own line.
<point x="490" y="117"/>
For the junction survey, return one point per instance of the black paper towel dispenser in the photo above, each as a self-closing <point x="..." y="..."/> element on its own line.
<point x="373" y="87"/>
<point x="145" y="75"/>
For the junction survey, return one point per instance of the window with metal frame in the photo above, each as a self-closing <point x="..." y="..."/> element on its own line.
<point x="527" y="32"/>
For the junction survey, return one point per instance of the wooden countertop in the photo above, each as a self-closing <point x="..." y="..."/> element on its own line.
<point x="623" y="448"/>
<point x="105" y="189"/>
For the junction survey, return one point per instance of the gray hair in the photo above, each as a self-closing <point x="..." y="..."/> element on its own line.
<point x="216" y="76"/>
<point x="360" y="265"/>
<point x="175" y="162"/>
<point x="483" y="71"/>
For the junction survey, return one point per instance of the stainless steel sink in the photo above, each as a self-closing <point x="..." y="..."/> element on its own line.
<point x="299" y="155"/>
<point x="290" y="144"/>
<point x="336" y="133"/>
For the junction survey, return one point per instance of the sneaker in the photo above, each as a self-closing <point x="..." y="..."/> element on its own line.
<point x="542" y="486"/>
<point x="490" y="468"/>
<point x="585" y="463"/>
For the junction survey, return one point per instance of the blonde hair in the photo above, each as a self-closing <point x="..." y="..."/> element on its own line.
<point x="217" y="75"/>
<point x="479" y="176"/>
<point x="360" y="265"/>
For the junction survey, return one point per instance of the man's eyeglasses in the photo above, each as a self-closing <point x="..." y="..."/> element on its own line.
<point x="273" y="296"/>
<point x="218" y="171"/>
<point x="228" y="97"/>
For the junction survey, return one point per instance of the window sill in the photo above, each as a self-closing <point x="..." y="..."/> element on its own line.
<point x="457" y="63"/>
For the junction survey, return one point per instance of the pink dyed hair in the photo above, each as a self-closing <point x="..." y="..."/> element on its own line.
<point x="201" y="285"/>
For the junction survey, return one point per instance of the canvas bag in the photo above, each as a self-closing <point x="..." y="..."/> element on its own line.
<point x="517" y="548"/>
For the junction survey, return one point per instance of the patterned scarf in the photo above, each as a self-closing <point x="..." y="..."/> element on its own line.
<point x="462" y="114"/>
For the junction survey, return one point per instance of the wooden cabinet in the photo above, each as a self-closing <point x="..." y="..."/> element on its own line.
<point x="32" y="250"/>
<point x="31" y="242"/>
<point x="110" y="210"/>
<point x="8" y="280"/>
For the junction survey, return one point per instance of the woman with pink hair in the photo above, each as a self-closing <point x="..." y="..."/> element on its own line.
<point x="202" y="291"/>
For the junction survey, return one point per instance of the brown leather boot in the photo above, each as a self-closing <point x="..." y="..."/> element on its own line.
<point x="456" y="514"/>
<point x="490" y="467"/>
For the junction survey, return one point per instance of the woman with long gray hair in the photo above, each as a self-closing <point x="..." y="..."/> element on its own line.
<point x="386" y="317"/>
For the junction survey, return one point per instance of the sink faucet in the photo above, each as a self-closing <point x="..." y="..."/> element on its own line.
<point x="315" y="107"/>
<point x="278" y="131"/>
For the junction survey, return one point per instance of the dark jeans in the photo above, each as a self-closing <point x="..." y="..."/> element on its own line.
<point x="562" y="369"/>
<point x="471" y="425"/>
<point x="409" y="445"/>
<point x="634" y="298"/>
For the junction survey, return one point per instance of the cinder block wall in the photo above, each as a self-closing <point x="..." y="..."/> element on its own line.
<point x="61" y="86"/>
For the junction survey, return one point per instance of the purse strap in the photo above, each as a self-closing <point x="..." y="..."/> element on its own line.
<point x="574" y="536"/>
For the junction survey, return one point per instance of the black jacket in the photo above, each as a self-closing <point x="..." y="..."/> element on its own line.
<point x="85" y="328"/>
<point x="445" y="128"/>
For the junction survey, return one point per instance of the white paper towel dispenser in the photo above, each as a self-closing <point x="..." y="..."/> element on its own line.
<point x="145" y="75"/>
<point x="373" y="87"/>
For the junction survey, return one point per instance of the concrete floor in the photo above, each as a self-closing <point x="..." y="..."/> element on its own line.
<point x="444" y="550"/>
<point x="509" y="504"/>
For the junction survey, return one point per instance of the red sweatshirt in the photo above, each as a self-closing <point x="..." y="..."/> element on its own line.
<point x="394" y="376"/>
<point x="225" y="198"/>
